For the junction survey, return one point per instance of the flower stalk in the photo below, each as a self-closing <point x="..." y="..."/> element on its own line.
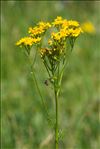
<point x="56" y="125"/>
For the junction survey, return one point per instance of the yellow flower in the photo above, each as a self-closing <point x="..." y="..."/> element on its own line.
<point x="39" y="29"/>
<point x="35" y="31"/>
<point x="36" y="40"/>
<point x="28" y="41"/>
<point x="75" y="32"/>
<point x="57" y="21"/>
<point x="55" y="36"/>
<point x="88" y="27"/>
<point x="62" y="34"/>
<point x="65" y="24"/>
<point x="72" y="23"/>
<point x="44" y="25"/>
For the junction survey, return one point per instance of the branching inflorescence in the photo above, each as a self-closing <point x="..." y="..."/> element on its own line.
<point x="63" y="34"/>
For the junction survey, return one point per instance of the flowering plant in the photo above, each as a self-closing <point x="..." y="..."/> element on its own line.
<point x="63" y="34"/>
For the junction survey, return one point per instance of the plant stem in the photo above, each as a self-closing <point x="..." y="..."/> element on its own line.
<point x="37" y="86"/>
<point x="56" y="125"/>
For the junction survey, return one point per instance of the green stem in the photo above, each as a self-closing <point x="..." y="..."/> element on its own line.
<point x="56" y="125"/>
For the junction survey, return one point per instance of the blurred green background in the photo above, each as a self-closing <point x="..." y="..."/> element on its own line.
<point x="24" y="125"/>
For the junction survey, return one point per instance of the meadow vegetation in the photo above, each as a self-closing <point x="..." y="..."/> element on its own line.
<point x="24" y="125"/>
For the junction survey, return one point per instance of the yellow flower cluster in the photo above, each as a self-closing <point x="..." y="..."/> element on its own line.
<point x="35" y="33"/>
<point x="64" y="29"/>
<point x="65" y="23"/>
<point x="68" y="28"/>
<point x="39" y="29"/>
<point x="28" y="41"/>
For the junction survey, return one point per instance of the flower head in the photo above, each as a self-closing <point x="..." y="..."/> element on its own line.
<point x="28" y="41"/>
<point x="61" y="35"/>
<point x="58" y="21"/>
<point x="68" y="28"/>
<point x="65" y="24"/>
<point x="72" y="23"/>
<point x="75" y="32"/>
<point x="39" y="29"/>
<point x="36" y="31"/>
<point x="44" y="25"/>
